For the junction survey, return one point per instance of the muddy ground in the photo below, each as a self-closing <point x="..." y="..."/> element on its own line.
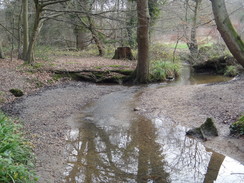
<point x="45" y="113"/>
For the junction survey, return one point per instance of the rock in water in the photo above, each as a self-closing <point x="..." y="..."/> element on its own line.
<point x="207" y="129"/>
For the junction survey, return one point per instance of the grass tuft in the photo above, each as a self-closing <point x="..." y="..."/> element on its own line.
<point x="163" y="70"/>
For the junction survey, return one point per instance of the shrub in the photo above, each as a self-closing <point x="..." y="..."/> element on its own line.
<point x="231" y="71"/>
<point x="16" y="159"/>
<point x="162" y="70"/>
<point x="237" y="128"/>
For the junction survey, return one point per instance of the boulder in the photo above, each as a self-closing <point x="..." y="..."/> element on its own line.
<point x="207" y="129"/>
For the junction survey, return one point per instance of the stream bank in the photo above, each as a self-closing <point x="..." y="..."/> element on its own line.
<point x="191" y="105"/>
<point x="45" y="115"/>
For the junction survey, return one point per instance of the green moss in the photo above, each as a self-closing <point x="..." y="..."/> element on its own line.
<point x="235" y="34"/>
<point x="231" y="71"/>
<point x="209" y="128"/>
<point x="16" y="92"/>
<point x="237" y="128"/>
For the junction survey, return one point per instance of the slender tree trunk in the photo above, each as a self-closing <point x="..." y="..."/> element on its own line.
<point x="25" y="28"/>
<point x="1" y="50"/>
<point x="96" y="38"/>
<point x="130" y="25"/>
<point x="37" y="25"/>
<point x="227" y="31"/>
<point x="80" y="38"/>
<point x="192" y="45"/>
<point x="142" y="70"/>
<point x="20" y="50"/>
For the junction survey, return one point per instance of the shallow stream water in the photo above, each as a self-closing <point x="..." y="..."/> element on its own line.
<point x="110" y="143"/>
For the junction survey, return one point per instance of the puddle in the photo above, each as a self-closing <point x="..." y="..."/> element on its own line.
<point x="188" y="78"/>
<point x="109" y="143"/>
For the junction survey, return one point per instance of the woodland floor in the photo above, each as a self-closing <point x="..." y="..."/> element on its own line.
<point x="49" y="103"/>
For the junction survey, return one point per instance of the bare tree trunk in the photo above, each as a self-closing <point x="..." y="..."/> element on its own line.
<point x="227" y="31"/>
<point x="192" y="45"/>
<point x="37" y="24"/>
<point x="98" y="43"/>
<point x="1" y="50"/>
<point x="142" y="70"/>
<point x="80" y="38"/>
<point x="95" y="37"/>
<point x="25" y="28"/>
<point x="20" y="50"/>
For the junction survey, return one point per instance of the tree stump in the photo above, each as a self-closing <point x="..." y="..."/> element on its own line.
<point x="123" y="53"/>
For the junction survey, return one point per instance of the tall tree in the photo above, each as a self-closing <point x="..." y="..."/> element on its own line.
<point x="40" y="10"/>
<point x="25" y="28"/>
<point x="227" y="31"/>
<point x="142" y="69"/>
<point x="86" y="22"/>
<point x="192" y="43"/>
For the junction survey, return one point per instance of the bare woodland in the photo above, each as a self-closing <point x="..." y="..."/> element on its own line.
<point x="76" y="25"/>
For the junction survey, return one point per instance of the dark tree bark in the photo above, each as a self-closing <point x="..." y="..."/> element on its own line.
<point x="142" y="70"/>
<point x="227" y="31"/>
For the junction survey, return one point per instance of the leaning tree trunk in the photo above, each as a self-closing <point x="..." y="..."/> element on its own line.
<point x="97" y="42"/>
<point x="227" y="31"/>
<point x="95" y="37"/>
<point x="142" y="69"/>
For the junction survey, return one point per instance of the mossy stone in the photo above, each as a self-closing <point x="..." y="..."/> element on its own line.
<point x="16" y="92"/>
<point x="207" y="129"/>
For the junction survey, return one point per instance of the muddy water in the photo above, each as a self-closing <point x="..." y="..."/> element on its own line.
<point x="189" y="78"/>
<point x="110" y="143"/>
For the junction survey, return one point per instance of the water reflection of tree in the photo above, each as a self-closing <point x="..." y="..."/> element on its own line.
<point x="112" y="154"/>
<point x="214" y="166"/>
<point x="150" y="157"/>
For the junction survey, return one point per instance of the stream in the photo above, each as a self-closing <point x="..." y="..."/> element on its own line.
<point x="111" y="143"/>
